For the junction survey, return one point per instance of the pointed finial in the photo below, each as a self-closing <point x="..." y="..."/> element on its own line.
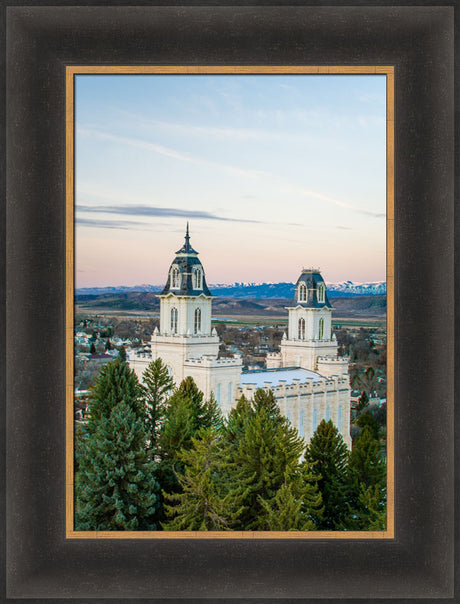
<point x="187" y="248"/>
<point x="187" y="239"/>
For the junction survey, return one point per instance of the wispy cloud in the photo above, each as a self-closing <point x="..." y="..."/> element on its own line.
<point x="151" y="211"/>
<point x="168" y="152"/>
<point x="237" y="134"/>
<point x="108" y="224"/>
<point x="338" y="202"/>
<point x="258" y="174"/>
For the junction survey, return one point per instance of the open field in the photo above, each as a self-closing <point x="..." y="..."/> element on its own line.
<point x="235" y="321"/>
<point x="352" y="310"/>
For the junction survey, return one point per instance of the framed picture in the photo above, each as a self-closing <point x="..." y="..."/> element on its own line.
<point x="49" y="45"/>
<point x="176" y="108"/>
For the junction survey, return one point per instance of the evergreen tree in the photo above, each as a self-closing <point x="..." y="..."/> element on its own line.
<point x="212" y="417"/>
<point x="367" y="466"/>
<point x="235" y="424"/>
<point x="92" y="348"/>
<point x="204" y="413"/>
<point x="116" y="487"/>
<point x="175" y="434"/>
<point x="367" y="484"/>
<point x="265" y="400"/>
<point x="178" y="427"/>
<point x="122" y="354"/>
<point x="329" y="455"/>
<point x="157" y="386"/>
<point x="297" y="505"/>
<point x="266" y="455"/>
<point x="115" y="383"/>
<point x="371" y="512"/>
<point x="363" y="402"/>
<point x="203" y="503"/>
<point x="366" y="420"/>
<point x="108" y="344"/>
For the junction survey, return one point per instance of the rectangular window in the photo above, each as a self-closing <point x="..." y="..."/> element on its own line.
<point x="230" y="392"/>
<point x="218" y="394"/>
<point x="301" y="430"/>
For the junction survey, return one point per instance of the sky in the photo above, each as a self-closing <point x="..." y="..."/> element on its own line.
<point x="274" y="173"/>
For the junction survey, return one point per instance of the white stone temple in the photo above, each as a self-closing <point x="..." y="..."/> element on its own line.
<point x="310" y="382"/>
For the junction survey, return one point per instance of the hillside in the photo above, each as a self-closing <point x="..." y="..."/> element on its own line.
<point x="346" y="307"/>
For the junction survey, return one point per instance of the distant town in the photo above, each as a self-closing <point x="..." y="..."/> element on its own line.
<point x="108" y="321"/>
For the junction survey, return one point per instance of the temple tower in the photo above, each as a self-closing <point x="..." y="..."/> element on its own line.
<point x="310" y="343"/>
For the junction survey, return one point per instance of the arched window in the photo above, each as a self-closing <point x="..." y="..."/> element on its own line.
<point x="301" y="430"/>
<point x="339" y="421"/>
<point x="218" y="394"/>
<point x="321" y="290"/>
<point x="175" y="277"/>
<point x="174" y="315"/>
<point x="197" y="320"/>
<point x="301" y="329"/>
<point x="302" y="292"/>
<point x="197" y="279"/>
<point x="230" y="392"/>
<point x="315" y="420"/>
<point x="328" y="414"/>
<point x="321" y="329"/>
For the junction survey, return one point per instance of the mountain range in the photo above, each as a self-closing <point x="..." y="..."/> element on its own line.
<point x="252" y="290"/>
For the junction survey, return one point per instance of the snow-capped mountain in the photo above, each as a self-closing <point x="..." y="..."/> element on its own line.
<point x="251" y="290"/>
<point x="350" y="288"/>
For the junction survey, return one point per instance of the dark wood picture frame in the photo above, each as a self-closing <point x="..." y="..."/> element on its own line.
<point x="41" y="42"/>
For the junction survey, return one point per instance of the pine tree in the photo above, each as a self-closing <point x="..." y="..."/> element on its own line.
<point x="297" y="504"/>
<point x="363" y="402"/>
<point x="178" y="427"/>
<point x="122" y="354"/>
<point x="92" y="348"/>
<point x="175" y="434"/>
<point x="157" y="386"/>
<point x="204" y="413"/>
<point x="115" y="383"/>
<point x="212" y="417"/>
<point x="266" y="454"/>
<point x="116" y="487"/>
<point x="203" y="503"/>
<point x="265" y="400"/>
<point x="328" y="455"/>
<point x="366" y="420"/>
<point x="235" y="423"/>
<point x="367" y="466"/>
<point x="367" y="484"/>
<point x="372" y="511"/>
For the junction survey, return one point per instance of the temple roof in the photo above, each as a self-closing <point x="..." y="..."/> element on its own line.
<point x="286" y="374"/>
<point x="312" y="279"/>
<point x="186" y="262"/>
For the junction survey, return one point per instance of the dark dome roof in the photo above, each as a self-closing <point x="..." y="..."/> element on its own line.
<point x="312" y="279"/>
<point x="187" y="262"/>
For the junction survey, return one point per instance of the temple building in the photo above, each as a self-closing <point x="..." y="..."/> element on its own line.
<point x="309" y="381"/>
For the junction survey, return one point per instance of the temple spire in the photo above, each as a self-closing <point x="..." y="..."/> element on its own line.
<point x="187" y="239"/>
<point x="187" y="248"/>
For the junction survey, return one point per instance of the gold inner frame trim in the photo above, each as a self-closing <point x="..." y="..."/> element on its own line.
<point x="71" y="72"/>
